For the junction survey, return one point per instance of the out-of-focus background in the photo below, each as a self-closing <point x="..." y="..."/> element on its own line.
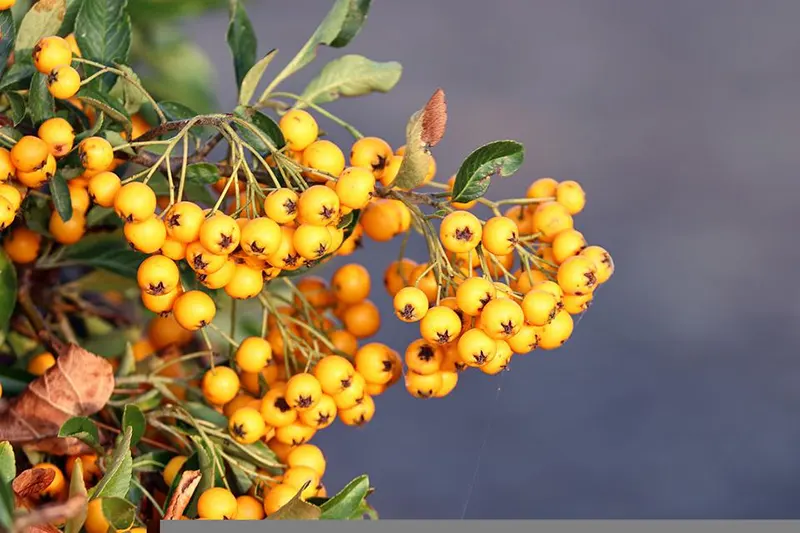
<point x="679" y="393"/>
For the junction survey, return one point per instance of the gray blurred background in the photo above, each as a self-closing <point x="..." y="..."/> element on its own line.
<point x="679" y="394"/>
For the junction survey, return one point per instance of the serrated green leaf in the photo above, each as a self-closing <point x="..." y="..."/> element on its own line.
<point x="132" y="417"/>
<point x="119" y="513"/>
<point x="41" y="105"/>
<point x="253" y="77"/>
<point x="43" y="19"/>
<point x="8" y="465"/>
<point x="77" y="487"/>
<point x="59" y="192"/>
<point x="416" y="160"/>
<point x="103" y="32"/>
<point x="68" y="25"/>
<point x="16" y="104"/>
<point x="17" y="75"/>
<point x="241" y="40"/>
<point x="351" y="75"/>
<point x="265" y="126"/>
<point x="117" y="480"/>
<point x="344" y="504"/>
<point x="127" y="92"/>
<point x="297" y="509"/>
<point x="109" y="106"/>
<point x="203" y="173"/>
<point x="82" y="429"/>
<point x="108" y="251"/>
<point x="7" y="37"/>
<point x="502" y="158"/>
<point x="354" y="20"/>
<point x="339" y="27"/>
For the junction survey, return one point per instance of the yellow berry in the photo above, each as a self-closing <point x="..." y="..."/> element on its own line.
<point x="281" y="205"/>
<point x="261" y="237"/>
<point x="246" y="425"/>
<point x="318" y="205"/>
<point x="570" y="194"/>
<point x="220" y="384"/>
<point x="324" y="156"/>
<point x="355" y="187"/>
<point x="184" y="220"/>
<point x="460" y="232"/>
<point x="135" y="202"/>
<point x="500" y="235"/>
<point x="539" y="307"/>
<point x="172" y="468"/>
<point x="299" y="129"/>
<point x="556" y="332"/>
<point x="96" y="153"/>
<point x="551" y="218"/>
<point x="158" y="275"/>
<point x="103" y="189"/>
<point x="58" y="134"/>
<point x="577" y="275"/>
<point x="410" y="304"/>
<point x="501" y="318"/>
<point x="68" y="232"/>
<point x="147" y="236"/>
<point x="22" y="245"/>
<point x="51" y="52"/>
<point x="246" y="282"/>
<point x="440" y="325"/>
<point x="217" y="503"/>
<point x="542" y="188"/>
<point x="473" y="294"/>
<point x="566" y="244"/>
<point x="194" y="310"/>
<point x="476" y="348"/>
<point x="312" y="242"/>
<point x="29" y="153"/>
<point x="602" y="260"/>
<point x="39" y="364"/>
<point x="220" y="234"/>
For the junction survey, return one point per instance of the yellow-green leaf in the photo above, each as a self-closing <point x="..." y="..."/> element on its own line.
<point x="351" y="75"/>
<point x="77" y="488"/>
<point x="416" y="159"/>
<point x="297" y="509"/>
<point x="253" y="77"/>
<point x="43" y="19"/>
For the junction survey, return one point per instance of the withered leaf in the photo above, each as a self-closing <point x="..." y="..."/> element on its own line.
<point x="51" y="513"/>
<point x="183" y="494"/>
<point x="60" y="446"/>
<point x="42" y="528"/>
<point x="434" y="119"/>
<point x="79" y="384"/>
<point x="31" y="482"/>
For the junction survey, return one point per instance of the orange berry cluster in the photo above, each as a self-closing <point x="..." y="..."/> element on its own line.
<point x="52" y="57"/>
<point x="482" y="321"/>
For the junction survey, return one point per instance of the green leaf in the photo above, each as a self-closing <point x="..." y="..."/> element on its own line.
<point x="41" y="105"/>
<point x="133" y="418"/>
<point x="339" y="27"/>
<point x="347" y="501"/>
<point x="152" y="461"/>
<point x="351" y="75"/>
<point x="99" y="121"/>
<point x="77" y="487"/>
<point x="205" y="462"/>
<point x="265" y="126"/>
<point x="108" y="251"/>
<point x="103" y="32"/>
<point x="240" y="480"/>
<point x="241" y="40"/>
<point x="119" y="513"/>
<point x="7" y="34"/>
<point x="60" y="194"/>
<point x="109" y="106"/>
<point x="253" y="77"/>
<point x="126" y="92"/>
<point x="17" y="74"/>
<point x="357" y="12"/>
<point x="16" y="104"/>
<point x="503" y="158"/>
<point x="6" y="507"/>
<point x="144" y="11"/>
<point x="82" y="429"/>
<point x="203" y="173"/>
<point x="109" y="345"/>
<point x="117" y="480"/>
<point x="10" y="132"/>
<point x="203" y="412"/>
<point x="100" y="281"/>
<point x="105" y="216"/>
<point x="14" y="380"/>
<point x="127" y="363"/>
<point x="8" y="465"/>
<point x="297" y="509"/>
<point x="8" y="292"/>
<point x="43" y="19"/>
<point x="416" y="160"/>
<point x="68" y="25"/>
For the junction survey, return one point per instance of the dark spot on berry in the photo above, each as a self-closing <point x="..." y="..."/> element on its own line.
<point x="198" y="263"/>
<point x="513" y="238"/>
<point x="304" y="402"/>
<point x="323" y="418"/>
<point x="320" y="251"/>
<point x="156" y="289"/>
<point x="202" y="278"/>
<point x="552" y="315"/>
<point x="407" y="312"/>
<point x="327" y="212"/>
<point x="347" y="382"/>
<point x="290" y="207"/>
<point x="225" y="241"/>
<point x="203" y="323"/>
<point x="464" y="234"/>
<point x="485" y="300"/>
<point x="424" y="393"/>
<point x="361" y="420"/>
<point x="426" y="353"/>
<point x="388" y="365"/>
<point x="174" y="220"/>
<point x="291" y="260"/>
<point x="606" y="259"/>
<point x="591" y="278"/>
<point x="296" y="442"/>
<point x="459" y="366"/>
<point x="238" y="430"/>
<point x="129" y="218"/>
<point x="443" y="337"/>
<point x="360" y="400"/>
<point x="282" y="405"/>
<point x="480" y="357"/>
<point x="255" y="248"/>
<point x="380" y="164"/>
<point x="508" y="327"/>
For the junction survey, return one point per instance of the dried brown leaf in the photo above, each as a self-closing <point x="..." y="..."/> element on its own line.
<point x="434" y="119"/>
<point x="30" y="483"/>
<point x="42" y="528"/>
<point x="183" y="494"/>
<point x="51" y="513"/>
<point x="60" y="446"/>
<point x="79" y="384"/>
